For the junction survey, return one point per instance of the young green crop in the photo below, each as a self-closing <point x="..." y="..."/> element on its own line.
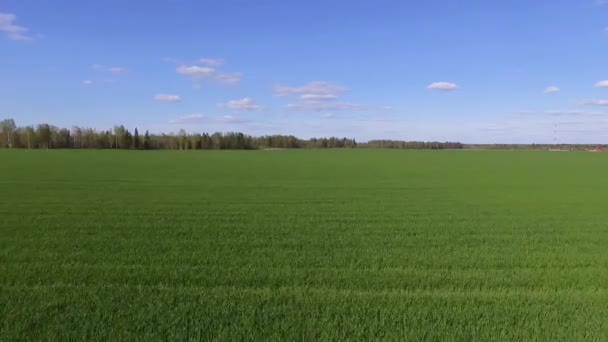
<point x="303" y="245"/>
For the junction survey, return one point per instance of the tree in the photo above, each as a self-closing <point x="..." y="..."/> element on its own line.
<point x="182" y="139"/>
<point x="64" y="139"/>
<point x="147" y="141"/>
<point x="90" y="139"/>
<point x="109" y="139"/>
<point x="122" y="137"/>
<point x="43" y="132"/>
<point x="78" y="137"/>
<point x="47" y="136"/>
<point x="127" y="140"/>
<point x="206" y="142"/>
<point x="196" y="141"/>
<point x="30" y="136"/>
<point x="119" y="132"/>
<point x="7" y="127"/>
<point x="217" y="141"/>
<point x="136" y="139"/>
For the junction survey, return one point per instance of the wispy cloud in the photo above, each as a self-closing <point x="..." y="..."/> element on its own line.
<point x="311" y="89"/>
<point x="212" y="62"/>
<point x="317" y="106"/>
<point x="117" y="70"/>
<point x="12" y="30"/>
<point x="209" y="71"/>
<point x="228" y="77"/>
<point x="189" y="119"/>
<point x="167" y="98"/>
<point x="195" y="71"/>
<point x="87" y="82"/>
<point x="246" y="103"/>
<point x="111" y="69"/>
<point x="602" y="84"/>
<point x="567" y="125"/>
<point x="575" y="113"/>
<point x="171" y="60"/>
<point x="317" y="96"/>
<point x="551" y="90"/>
<point x="580" y="113"/>
<point x="594" y="102"/>
<point x="443" y="86"/>
<point x="230" y="119"/>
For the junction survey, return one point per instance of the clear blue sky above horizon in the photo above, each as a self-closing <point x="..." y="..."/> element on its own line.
<point x="471" y="71"/>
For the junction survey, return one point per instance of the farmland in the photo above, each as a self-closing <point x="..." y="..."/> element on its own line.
<point x="303" y="245"/>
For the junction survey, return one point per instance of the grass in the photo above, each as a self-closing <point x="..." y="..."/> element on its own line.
<point x="303" y="245"/>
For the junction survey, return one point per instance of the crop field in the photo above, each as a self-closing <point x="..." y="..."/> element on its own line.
<point x="303" y="245"/>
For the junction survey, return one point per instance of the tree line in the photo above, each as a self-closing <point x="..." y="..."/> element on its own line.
<point x="413" y="145"/>
<point x="542" y="147"/>
<point x="45" y="136"/>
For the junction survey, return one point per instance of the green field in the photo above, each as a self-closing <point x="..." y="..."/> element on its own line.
<point x="303" y="245"/>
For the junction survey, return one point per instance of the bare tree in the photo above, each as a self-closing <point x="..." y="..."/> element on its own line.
<point x="8" y="127"/>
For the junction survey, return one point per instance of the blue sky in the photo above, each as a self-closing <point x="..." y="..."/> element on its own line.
<point x="472" y="71"/>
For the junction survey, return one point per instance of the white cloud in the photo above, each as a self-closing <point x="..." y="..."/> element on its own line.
<point x="246" y="103"/>
<point x="316" y="88"/>
<point x="580" y="113"/>
<point x="318" y="97"/>
<point x="195" y="71"/>
<point x="228" y="78"/>
<point x="171" y="60"/>
<point x="594" y="102"/>
<point x="203" y="72"/>
<point x="551" y="90"/>
<point x="167" y="98"/>
<point x="13" y="31"/>
<point x="226" y="118"/>
<point x="212" y="62"/>
<point x="602" y="84"/>
<point x="87" y="82"/>
<point x="328" y="116"/>
<point x="325" y="106"/>
<point x="188" y="119"/>
<point x="574" y="113"/>
<point x="443" y="86"/>
<point x="117" y="70"/>
<point x="112" y="69"/>
<point x="230" y="119"/>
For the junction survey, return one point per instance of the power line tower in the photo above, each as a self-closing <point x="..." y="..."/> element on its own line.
<point x="555" y="134"/>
